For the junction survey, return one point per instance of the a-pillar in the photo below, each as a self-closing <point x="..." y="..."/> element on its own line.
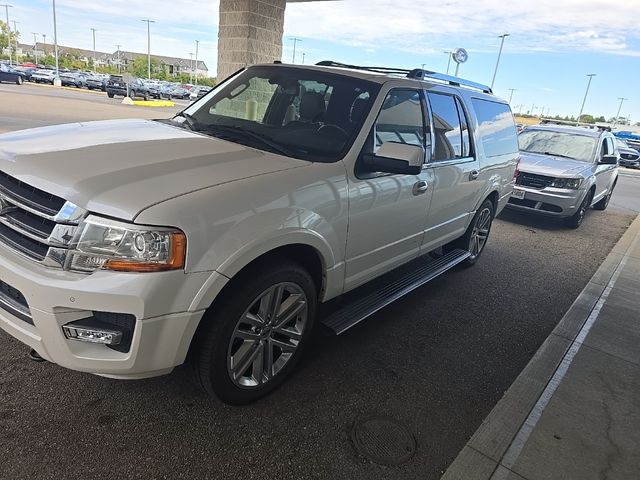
<point x="250" y="31"/>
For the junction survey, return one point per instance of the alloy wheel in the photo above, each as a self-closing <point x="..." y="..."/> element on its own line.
<point x="267" y="335"/>
<point x="480" y="232"/>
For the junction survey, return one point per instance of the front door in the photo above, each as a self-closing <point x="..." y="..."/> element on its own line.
<point x="604" y="173"/>
<point x="388" y="213"/>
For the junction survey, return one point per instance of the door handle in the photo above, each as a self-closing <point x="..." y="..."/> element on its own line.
<point x="474" y="174"/>
<point x="420" y="187"/>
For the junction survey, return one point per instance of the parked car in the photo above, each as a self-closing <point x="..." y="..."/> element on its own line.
<point x="629" y="157"/>
<point x="97" y="82"/>
<point x="199" y="92"/>
<point x="154" y="89"/>
<point x="26" y="71"/>
<point x="217" y="233"/>
<point x="117" y="86"/>
<point x="564" y="171"/>
<point x="43" y="76"/>
<point x="72" y="79"/>
<point x="180" y="92"/>
<point x="166" y="89"/>
<point x="9" y="75"/>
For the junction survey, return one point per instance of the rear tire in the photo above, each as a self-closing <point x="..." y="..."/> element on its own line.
<point x="251" y="340"/>
<point x="475" y="238"/>
<point x="19" y="80"/>
<point x="109" y="94"/>
<point x="575" y="220"/>
<point x="604" y="202"/>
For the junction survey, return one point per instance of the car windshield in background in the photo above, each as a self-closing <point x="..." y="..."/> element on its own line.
<point x="307" y="114"/>
<point x="560" y="144"/>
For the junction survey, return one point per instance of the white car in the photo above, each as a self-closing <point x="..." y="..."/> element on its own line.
<point x="43" y="76"/>
<point x="130" y="246"/>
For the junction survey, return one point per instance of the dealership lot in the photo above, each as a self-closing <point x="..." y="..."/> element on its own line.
<point x="437" y="361"/>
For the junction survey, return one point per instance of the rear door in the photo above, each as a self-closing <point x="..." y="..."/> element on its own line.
<point x="455" y="170"/>
<point x="604" y="173"/>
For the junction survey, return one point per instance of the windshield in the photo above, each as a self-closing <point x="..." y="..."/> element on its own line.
<point x="560" y="144"/>
<point x="302" y="113"/>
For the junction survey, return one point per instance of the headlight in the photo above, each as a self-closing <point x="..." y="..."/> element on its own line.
<point x="111" y="245"/>
<point x="573" y="183"/>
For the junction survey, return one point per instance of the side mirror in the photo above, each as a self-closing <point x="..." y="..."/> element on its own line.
<point x="609" y="160"/>
<point x="393" y="157"/>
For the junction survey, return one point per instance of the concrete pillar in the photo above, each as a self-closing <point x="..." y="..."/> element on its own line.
<point x="250" y="31"/>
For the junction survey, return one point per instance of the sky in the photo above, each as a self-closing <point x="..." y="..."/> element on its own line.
<point x="551" y="47"/>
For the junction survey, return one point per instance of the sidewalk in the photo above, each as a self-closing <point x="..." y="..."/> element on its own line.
<point x="574" y="411"/>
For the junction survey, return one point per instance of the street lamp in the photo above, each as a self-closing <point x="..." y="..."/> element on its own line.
<point x="511" y="96"/>
<point x="94" y="49"/>
<point x="118" y="56"/>
<point x="191" y="67"/>
<point x="502" y="37"/>
<point x="6" y="11"/>
<point x="303" y="55"/>
<point x="449" y="54"/>
<point x="35" y="46"/>
<point x="196" y="72"/>
<point x="590" y="75"/>
<point x="295" y="41"/>
<point x="149" y="22"/>
<point x="56" y="80"/>
<point x="15" y="37"/>
<point x="615" y="120"/>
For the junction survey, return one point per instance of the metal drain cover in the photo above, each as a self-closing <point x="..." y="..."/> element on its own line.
<point x="383" y="440"/>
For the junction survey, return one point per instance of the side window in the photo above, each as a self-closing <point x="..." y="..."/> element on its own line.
<point x="496" y="127"/>
<point x="610" y="146"/>
<point x="464" y="129"/>
<point x="400" y="120"/>
<point x="447" y="127"/>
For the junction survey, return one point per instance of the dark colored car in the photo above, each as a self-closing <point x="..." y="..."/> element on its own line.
<point x="117" y="86"/>
<point x="71" y="79"/>
<point x="629" y="157"/>
<point x="97" y="82"/>
<point x="9" y="75"/>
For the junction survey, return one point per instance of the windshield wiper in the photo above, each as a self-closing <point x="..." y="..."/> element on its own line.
<point x="236" y="131"/>
<point x="559" y="155"/>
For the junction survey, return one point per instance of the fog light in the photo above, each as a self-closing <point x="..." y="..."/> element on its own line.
<point x="92" y="334"/>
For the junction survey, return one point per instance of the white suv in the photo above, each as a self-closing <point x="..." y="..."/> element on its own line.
<point x="128" y="247"/>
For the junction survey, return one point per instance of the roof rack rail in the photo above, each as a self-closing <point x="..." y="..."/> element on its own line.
<point x="420" y="74"/>
<point x="416" y="73"/>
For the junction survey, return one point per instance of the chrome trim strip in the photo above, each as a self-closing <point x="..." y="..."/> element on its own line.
<point x="15" y="308"/>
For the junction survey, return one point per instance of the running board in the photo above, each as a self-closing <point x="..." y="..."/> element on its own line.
<point x="360" y="308"/>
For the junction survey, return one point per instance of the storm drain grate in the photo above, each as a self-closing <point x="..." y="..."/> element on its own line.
<point x="383" y="440"/>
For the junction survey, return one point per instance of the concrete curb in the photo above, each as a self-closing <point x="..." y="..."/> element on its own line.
<point x="480" y="458"/>
<point x="71" y="89"/>
<point x="154" y="103"/>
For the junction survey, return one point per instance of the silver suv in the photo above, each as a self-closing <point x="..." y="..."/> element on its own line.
<point x="564" y="171"/>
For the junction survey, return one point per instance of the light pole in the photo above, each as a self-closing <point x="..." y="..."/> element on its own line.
<point x="44" y="39"/>
<point x="303" y="55"/>
<point x="502" y="37"/>
<point x="191" y="67"/>
<point x="615" y="120"/>
<point x="94" y="49"/>
<point x="35" y="46"/>
<point x="533" y="105"/>
<point x="448" y="52"/>
<point x="511" y="96"/>
<point x="56" y="80"/>
<point x="118" y="56"/>
<point x="15" y="37"/>
<point x="590" y="75"/>
<point x="149" y="22"/>
<point x="6" y="11"/>
<point x="197" y="45"/>
<point x="295" y="41"/>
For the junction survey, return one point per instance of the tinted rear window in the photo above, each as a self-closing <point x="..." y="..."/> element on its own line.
<point x="496" y="127"/>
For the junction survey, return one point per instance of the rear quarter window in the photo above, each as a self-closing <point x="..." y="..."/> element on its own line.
<point x="496" y="127"/>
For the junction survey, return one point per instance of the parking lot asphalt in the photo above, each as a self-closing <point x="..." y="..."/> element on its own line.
<point x="438" y="361"/>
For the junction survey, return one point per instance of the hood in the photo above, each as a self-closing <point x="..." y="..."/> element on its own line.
<point x="120" y="167"/>
<point x="551" y="165"/>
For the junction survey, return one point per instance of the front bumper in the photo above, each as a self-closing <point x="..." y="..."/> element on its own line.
<point x="160" y="302"/>
<point x="551" y="202"/>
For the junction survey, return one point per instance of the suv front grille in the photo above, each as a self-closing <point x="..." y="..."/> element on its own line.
<point x="35" y="223"/>
<point x="533" y="180"/>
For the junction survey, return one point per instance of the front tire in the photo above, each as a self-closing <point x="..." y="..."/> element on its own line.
<point x="19" y="80"/>
<point x="575" y="220"/>
<point x="475" y="238"/>
<point x="252" y="340"/>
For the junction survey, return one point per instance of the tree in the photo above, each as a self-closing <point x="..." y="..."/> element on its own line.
<point x="6" y="36"/>
<point x="139" y="67"/>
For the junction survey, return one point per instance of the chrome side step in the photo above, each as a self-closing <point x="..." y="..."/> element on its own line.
<point x="362" y="307"/>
